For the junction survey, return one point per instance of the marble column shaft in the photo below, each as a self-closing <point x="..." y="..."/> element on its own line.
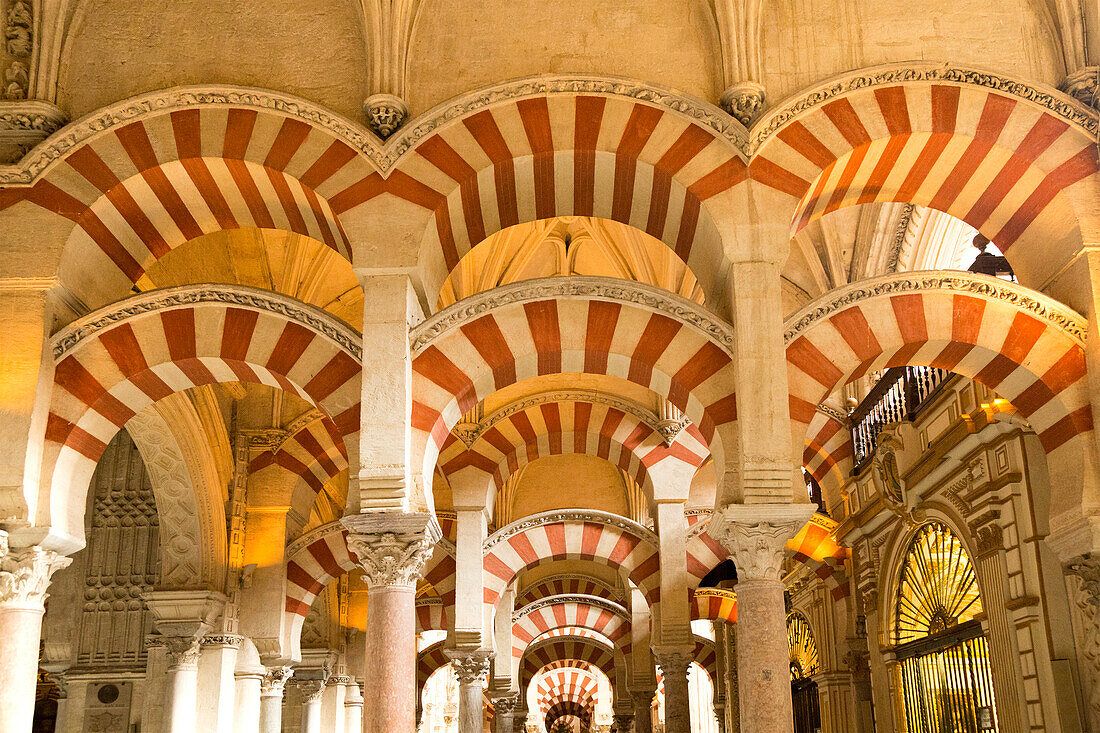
<point x="182" y="693"/>
<point x="643" y="710"/>
<point x="272" y="687"/>
<point x="24" y="577"/>
<point x="312" y="692"/>
<point x="674" y="669"/>
<point x="471" y="667"/>
<point x="216" y="682"/>
<point x="246" y="716"/>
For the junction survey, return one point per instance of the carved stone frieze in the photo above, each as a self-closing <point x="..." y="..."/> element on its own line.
<point x="594" y="601"/>
<point x="320" y="322"/>
<point x="23" y="125"/>
<point x="1087" y="570"/>
<point x="756" y="534"/>
<point x="274" y="681"/>
<point x="385" y="113"/>
<point x="231" y="641"/>
<point x="470" y="665"/>
<point x="745" y="101"/>
<point x="1038" y="305"/>
<point x="19" y="43"/>
<point x="569" y="515"/>
<point x="390" y="559"/>
<point x="574" y="286"/>
<point x="25" y="576"/>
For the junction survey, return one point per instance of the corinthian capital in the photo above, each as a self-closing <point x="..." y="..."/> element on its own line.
<point x="470" y="666"/>
<point x="25" y="576"/>
<point x="311" y="690"/>
<point x="274" y="681"/>
<point x="674" y="663"/>
<point x="755" y="535"/>
<point x="392" y="548"/>
<point x="183" y="651"/>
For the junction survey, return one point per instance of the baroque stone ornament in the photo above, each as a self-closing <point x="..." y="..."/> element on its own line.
<point x="470" y="666"/>
<point x="745" y="101"/>
<point x="1083" y="85"/>
<point x="606" y="289"/>
<point x="755" y="535"/>
<point x="1039" y="306"/>
<point x="390" y="559"/>
<point x="274" y="681"/>
<point x="385" y="113"/>
<point x="25" y="576"/>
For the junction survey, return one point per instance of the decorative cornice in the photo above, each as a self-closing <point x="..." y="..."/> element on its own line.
<point x="317" y="320"/>
<point x="31" y="116"/>
<point x="579" y="598"/>
<point x="569" y="515"/>
<point x="1038" y="305"/>
<point x="579" y="287"/>
<point x="1057" y="103"/>
<point x="470" y="436"/>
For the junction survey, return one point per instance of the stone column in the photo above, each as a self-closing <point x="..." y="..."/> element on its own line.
<point x="623" y="722"/>
<point x="392" y="549"/>
<point x="332" y="704"/>
<point x="216" y="682"/>
<point x="471" y="667"/>
<point x="505" y="709"/>
<point x="755" y="536"/>
<point x="674" y="665"/>
<point x="247" y="682"/>
<point x="353" y="709"/>
<point x="182" y="693"/>
<point x="24" y="577"/>
<point x="643" y="710"/>
<point x="312" y="691"/>
<point x="271" y="698"/>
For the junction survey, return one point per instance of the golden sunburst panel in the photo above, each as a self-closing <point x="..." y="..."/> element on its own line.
<point x="938" y="589"/>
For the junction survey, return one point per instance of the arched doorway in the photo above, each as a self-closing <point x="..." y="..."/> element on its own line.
<point x="943" y="654"/>
<point x="804" y="665"/>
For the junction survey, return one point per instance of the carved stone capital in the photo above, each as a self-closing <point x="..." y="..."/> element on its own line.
<point x="311" y="690"/>
<point x="25" y="576"/>
<point x="274" y="681"/>
<point x="1087" y="569"/>
<point x="989" y="538"/>
<point x="183" y="651"/>
<point x="744" y="100"/>
<point x="642" y="698"/>
<point x="1083" y="85"/>
<point x="470" y="665"/>
<point x="390" y="559"/>
<point x="506" y="704"/>
<point x="674" y="662"/>
<point x="623" y="723"/>
<point x="755" y="535"/>
<point x="385" y="113"/>
<point x="226" y="641"/>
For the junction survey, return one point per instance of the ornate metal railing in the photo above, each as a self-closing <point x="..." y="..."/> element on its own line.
<point x="897" y="396"/>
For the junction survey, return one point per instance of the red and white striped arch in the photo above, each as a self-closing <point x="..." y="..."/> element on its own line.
<point x="1025" y="347"/>
<point x="137" y="190"/>
<point x="428" y="662"/>
<point x="705" y="656"/>
<point x="714" y="604"/>
<point x="558" y="585"/>
<point x="576" y="427"/>
<point x="828" y="453"/>
<point x="563" y="650"/>
<point x="1008" y="167"/>
<point x="569" y="712"/>
<point x="570" y="325"/>
<point x="578" y="632"/>
<point x="563" y="535"/>
<point x="557" y="612"/>
<point x="566" y="684"/>
<point x="560" y="153"/>
<point x="116" y="361"/>
<point x="703" y="554"/>
<point x="312" y="563"/>
<point x="315" y="453"/>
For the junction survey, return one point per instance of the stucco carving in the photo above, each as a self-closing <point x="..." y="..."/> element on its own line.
<point x="745" y="101"/>
<point x="321" y="322"/>
<point x="19" y="42"/>
<point x="594" y="601"/>
<point x="1037" y="305"/>
<point x="592" y="288"/>
<point x="25" y="575"/>
<point x="586" y="515"/>
<point x="390" y="559"/>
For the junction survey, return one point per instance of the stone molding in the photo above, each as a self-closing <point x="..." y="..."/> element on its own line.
<point x="594" y="601"/>
<point x="585" y="287"/>
<point x="25" y="575"/>
<point x="673" y="662"/>
<point x="476" y="430"/>
<point x="569" y="515"/>
<point x="716" y="593"/>
<point x="470" y="665"/>
<point x="1038" y="305"/>
<point x="224" y="641"/>
<point x="319" y="321"/>
<point x="1057" y="103"/>
<point x="274" y="681"/>
<point x="391" y="560"/>
<point x="833" y="413"/>
<point x="24" y="124"/>
<point x="756" y="534"/>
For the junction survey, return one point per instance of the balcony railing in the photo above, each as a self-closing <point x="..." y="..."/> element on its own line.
<point x="897" y="396"/>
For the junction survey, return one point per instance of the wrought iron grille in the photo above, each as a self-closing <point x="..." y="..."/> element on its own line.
<point x="946" y="689"/>
<point x="938" y="587"/>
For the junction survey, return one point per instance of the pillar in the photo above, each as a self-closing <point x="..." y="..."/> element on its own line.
<point x="471" y="667"/>
<point x="674" y="665"/>
<point x="332" y="704"/>
<point x="217" y="683"/>
<point x="247" y="682"/>
<point x="643" y="710"/>
<point x="24" y="577"/>
<point x="353" y="708"/>
<point x="755" y="535"/>
<point x="392" y="549"/>
<point x="271" y="698"/>
<point x="312" y="692"/>
<point x="623" y="722"/>
<point x="505" y="708"/>
<point x="182" y="691"/>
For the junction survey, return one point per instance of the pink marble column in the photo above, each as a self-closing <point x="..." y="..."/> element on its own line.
<point x="24" y="577"/>
<point x="755" y="535"/>
<point x="392" y="549"/>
